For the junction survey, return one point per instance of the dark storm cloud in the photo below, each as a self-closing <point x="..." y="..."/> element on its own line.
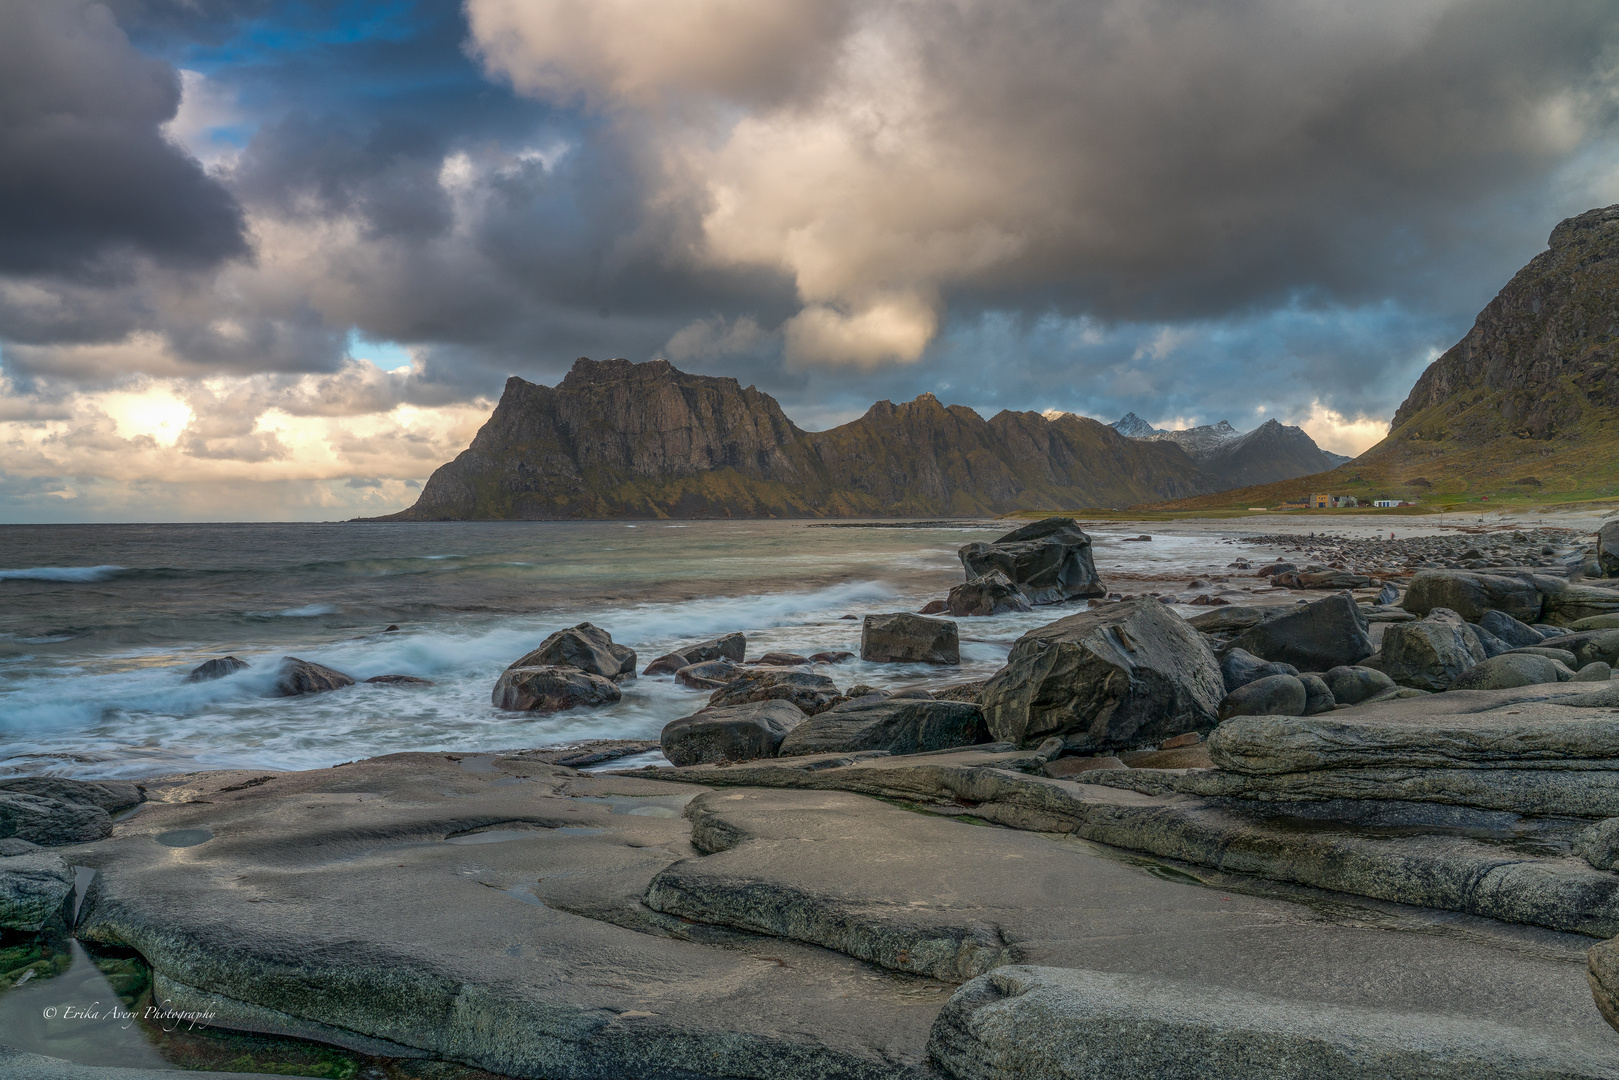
<point x="85" y="172"/>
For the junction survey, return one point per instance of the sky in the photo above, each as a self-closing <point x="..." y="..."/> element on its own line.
<point x="274" y="260"/>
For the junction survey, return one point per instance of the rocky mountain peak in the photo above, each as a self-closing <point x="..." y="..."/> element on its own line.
<point x="1132" y="426"/>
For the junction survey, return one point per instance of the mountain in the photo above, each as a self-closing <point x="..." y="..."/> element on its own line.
<point x="1271" y="452"/>
<point x="620" y="440"/>
<point x="1522" y="407"/>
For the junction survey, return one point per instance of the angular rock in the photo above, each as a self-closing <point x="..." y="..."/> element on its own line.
<point x="550" y="688"/>
<point x="1492" y="645"/>
<point x="111" y="795"/>
<point x="709" y="675"/>
<point x="1599" y="844"/>
<point x="1232" y="619"/>
<point x="1387" y="595"/>
<point x="586" y="647"/>
<point x="968" y="691"/>
<point x="1608" y="548"/>
<point x="934" y="607"/>
<point x="1353" y="684"/>
<point x="217" y="668"/>
<point x="1239" y="667"/>
<point x="811" y="693"/>
<point x="1273" y="695"/>
<point x="298" y="677"/>
<point x="1128" y="673"/>
<point x="905" y="638"/>
<point x="1566" y="605"/>
<point x="730" y="733"/>
<point x="991" y="594"/>
<point x="667" y="664"/>
<point x="1317" y="695"/>
<point x="1471" y="594"/>
<point x="1080" y="1024"/>
<point x="1430" y="653"/>
<point x="1509" y="670"/>
<point x="730" y="647"/>
<point x="1313" y="637"/>
<point x="36" y="891"/>
<point x="1516" y="634"/>
<point x="49" y="822"/>
<point x="895" y="724"/>
<point x="1049" y="560"/>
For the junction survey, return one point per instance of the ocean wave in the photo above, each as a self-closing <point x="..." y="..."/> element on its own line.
<point x="303" y="612"/>
<point x="61" y="573"/>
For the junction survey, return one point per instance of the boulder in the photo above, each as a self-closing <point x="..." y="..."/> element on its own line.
<point x="741" y="732"/>
<point x="399" y="680"/>
<point x="905" y="638"/>
<point x="1608" y="548"/>
<point x="299" y="677"/>
<point x="1352" y="684"/>
<point x="1239" y="667"/>
<point x="1387" y="595"/>
<point x="1049" y="560"/>
<point x="110" y="795"/>
<point x="967" y="691"/>
<point x="1122" y="675"/>
<point x="36" y="892"/>
<point x="1509" y="670"/>
<point x="811" y="693"/>
<point x="1430" y="653"/>
<point x="1322" y="579"/>
<point x="1471" y="594"/>
<point x="1569" y="604"/>
<point x="1312" y="637"/>
<point x="1317" y="695"/>
<point x="1565" y="657"/>
<point x="1596" y="622"/>
<point x="49" y="822"/>
<point x="1233" y="619"/>
<point x="709" y="675"/>
<point x="781" y="659"/>
<point x="552" y="688"/>
<point x="1588" y="647"/>
<point x="217" y="668"/>
<point x="1275" y="568"/>
<point x="899" y="725"/>
<point x="1492" y="645"/>
<point x="1516" y="634"/>
<point x="586" y="647"/>
<point x="1597" y="671"/>
<point x="1274" y="695"/>
<point x="1599" y="844"/>
<point x="991" y="594"/>
<point x="667" y="664"/>
<point x="836" y="656"/>
<point x="730" y="647"/>
<point x="934" y="607"/>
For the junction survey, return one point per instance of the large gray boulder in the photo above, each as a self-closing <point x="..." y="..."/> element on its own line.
<point x="586" y="647"/>
<point x="1566" y="605"/>
<point x="991" y="594"/>
<point x="298" y="677"/>
<point x="1233" y="619"/>
<point x="1239" y="667"/>
<point x="810" y="693"/>
<point x="1274" y="695"/>
<point x="47" y="821"/>
<point x="1353" y="684"/>
<point x="1313" y="637"/>
<point x="1317" y="695"/>
<point x="709" y="675"/>
<point x="1049" y="560"/>
<point x="730" y="647"/>
<point x="1471" y="593"/>
<point x="1511" y="669"/>
<point x="547" y="688"/>
<point x="898" y="725"/>
<point x="902" y="637"/>
<point x="1514" y="632"/>
<point x="36" y="891"/>
<point x="1119" y="676"/>
<point x="742" y="732"/>
<point x="110" y="795"/>
<point x="1608" y="548"/>
<point x="1430" y="653"/>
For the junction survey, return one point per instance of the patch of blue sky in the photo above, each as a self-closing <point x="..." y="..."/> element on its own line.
<point x="298" y="27"/>
<point x="387" y="355"/>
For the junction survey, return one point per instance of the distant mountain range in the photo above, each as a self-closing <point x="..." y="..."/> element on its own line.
<point x="1273" y="451"/>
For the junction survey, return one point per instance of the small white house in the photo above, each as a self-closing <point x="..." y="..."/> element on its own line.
<point x="1386" y="503"/>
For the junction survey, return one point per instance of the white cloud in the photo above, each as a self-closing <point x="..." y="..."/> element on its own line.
<point x="1332" y="430"/>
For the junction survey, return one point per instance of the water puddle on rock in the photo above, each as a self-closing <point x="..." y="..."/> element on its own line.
<point x="657" y="806"/>
<point x="500" y="836"/>
<point x="77" y="1014"/>
<point x="178" y="838"/>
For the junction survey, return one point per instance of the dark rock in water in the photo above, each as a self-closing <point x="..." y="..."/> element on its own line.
<point x="1049" y="560"/>
<point x="667" y="664"/>
<point x="1274" y="695"/>
<point x="1430" y="653"/>
<point x="781" y="659"/>
<point x="730" y="733"/>
<point x="217" y="668"/>
<point x="1125" y="674"/>
<point x="111" y="795"/>
<point x="991" y="594"/>
<point x="968" y="691"/>
<point x="897" y="724"/>
<point x="837" y="656"/>
<point x="1239" y="667"/>
<point x="586" y="647"/>
<point x="1317" y="695"/>
<point x="862" y="690"/>
<point x="399" y="680"/>
<point x="36" y="894"/>
<point x="1608" y="548"/>
<point x="1516" y="634"/>
<point x="1502" y="672"/>
<point x="1276" y="568"/>
<point x="1312" y="637"/>
<point x="1323" y="579"/>
<point x="1471" y="594"/>
<point x="1351" y="685"/>
<point x="730" y="647"/>
<point x="709" y="675"/>
<point x="811" y="693"/>
<point x="1387" y="595"/>
<point x="905" y="638"/>
<point x="306" y="677"/>
<point x="552" y="688"/>
<point x="49" y="822"/>
<point x="934" y="607"/>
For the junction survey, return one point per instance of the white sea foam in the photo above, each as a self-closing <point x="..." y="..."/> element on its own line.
<point x="60" y="573"/>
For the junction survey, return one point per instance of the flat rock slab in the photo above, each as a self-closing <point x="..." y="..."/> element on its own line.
<point x="477" y="909"/>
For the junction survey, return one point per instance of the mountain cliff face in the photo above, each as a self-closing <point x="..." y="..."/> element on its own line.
<point x="621" y="440"/>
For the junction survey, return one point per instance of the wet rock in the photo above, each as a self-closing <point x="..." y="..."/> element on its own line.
<point x="587" y="648"/>
<point x="742" y="732"/>
<point x="550" y="688"/>
<point x="899" y="725"/>
<point x="1239" y="667"/>
<point x="781" y="659"/>
<point x="1471" y="594"/>
<point x="217" y="668"/>
<point x="1608" y="548"/>
<point x="905" y="638"/>
<point x="991" y="594"/>
<point x="1328" y="633"/>
<point x="1597" y="672"/>
<point x="1514" y="633"/>
<point x="1276" y="568"/>
<point x="1273" y="695"/>
<point x="837" y="656"/>
<point x="399" y="680"/>
<point x="1127" y="673"/>
<point x="1387" y="595"/>
<point x="709" y="675"/>
<point x="1049" y="560"/>
<point x="36" y="892"/>
<point x="1509" y="670"/>
<point x="1317" y="695"/>
<point x="110" y="795"/>
<point x="1599" y="844"/>
<point x="667" y="664"/>
<point x="1353" y="684"/>
<point x="934" y="607"/>
<point x="298" y="677"/>
<point x="811" y="693"/>
<point x="49" y="822"/>
<point x="1430" y="653"/>
<point x="730" y="647"/>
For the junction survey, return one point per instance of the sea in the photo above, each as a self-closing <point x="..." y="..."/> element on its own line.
<point x="100" y="624"/>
